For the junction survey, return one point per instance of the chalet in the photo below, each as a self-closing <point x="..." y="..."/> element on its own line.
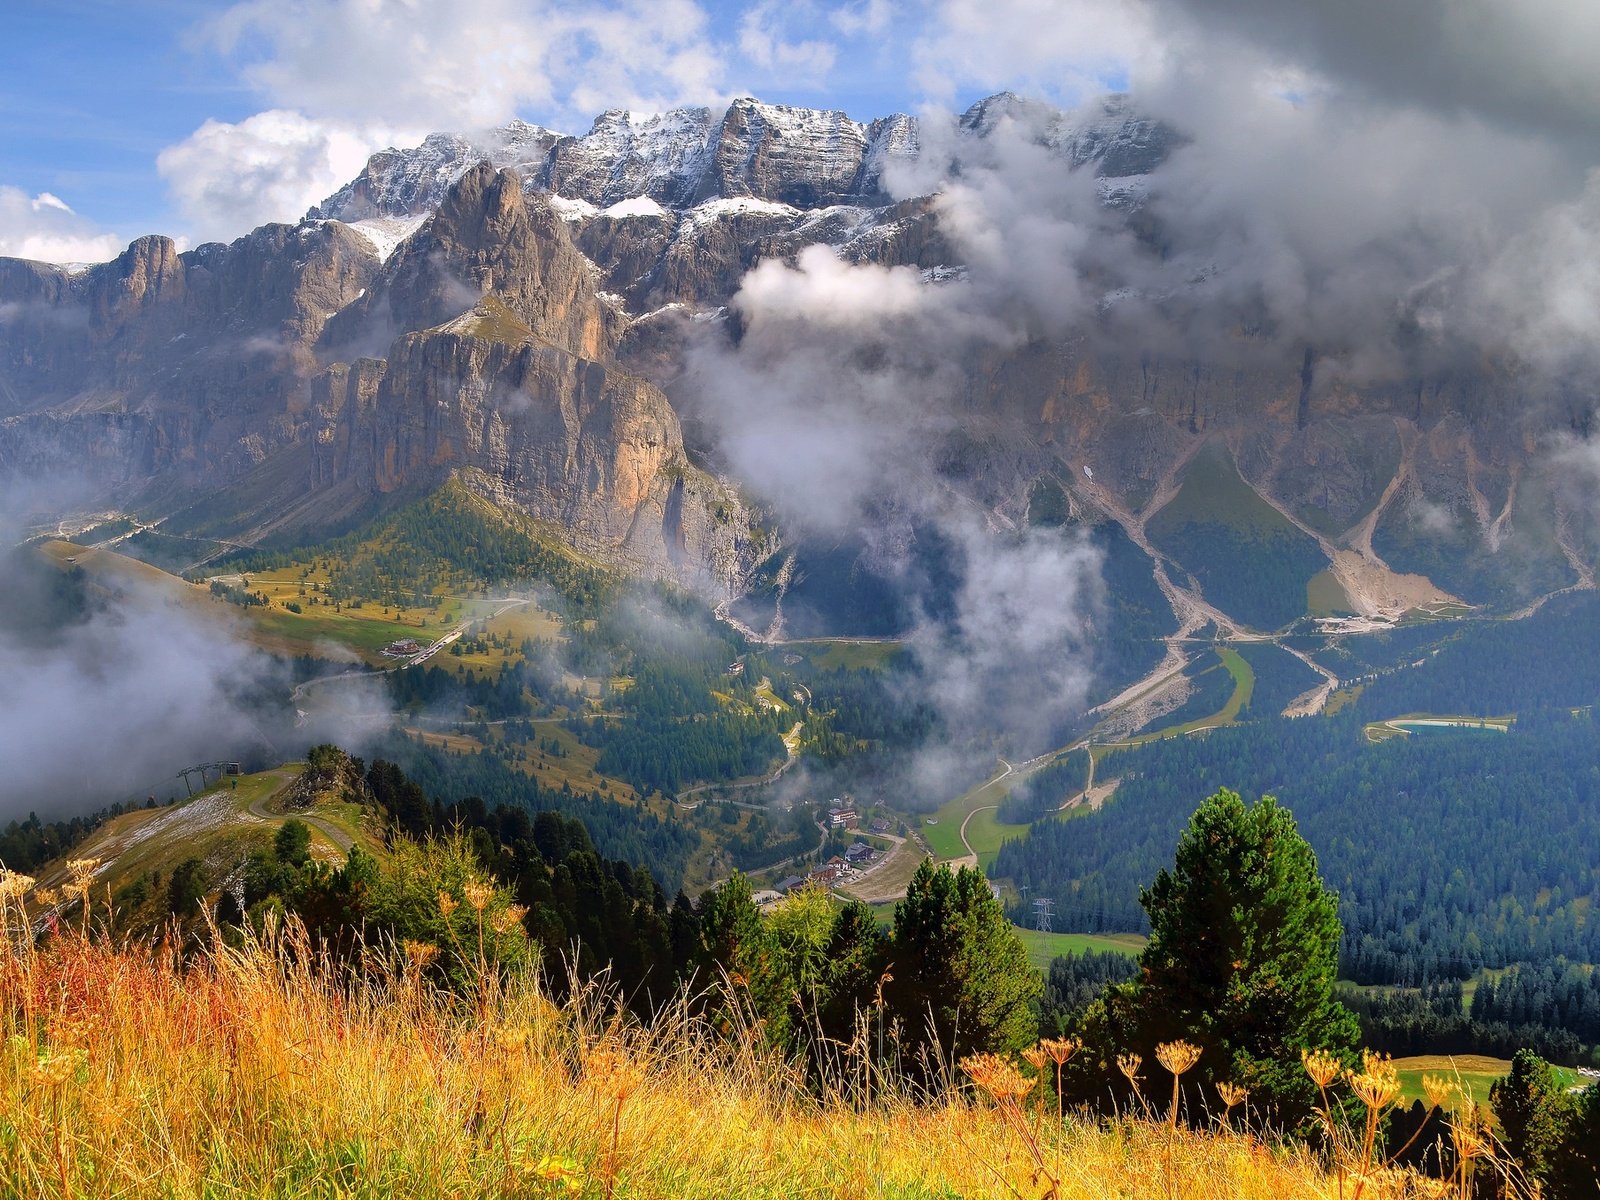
<point x="879" y="825"/>
<point x="788" y="883"/>
<point x="859" y="852"/>
<point x="404" y="648"/>
<point x="840" y="817"/>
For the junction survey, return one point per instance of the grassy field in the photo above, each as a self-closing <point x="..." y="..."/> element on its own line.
<point x="846" y="656"/>
<point x="362" y="626"/>
<point x="1042" y="947"/>
<point x="219" y="826"/>
<point x="147" y="1078"/>
<point x="1477" y="1072"/>
<point x="986" y="833"/>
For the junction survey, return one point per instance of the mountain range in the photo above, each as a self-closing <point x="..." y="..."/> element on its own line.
<point x="524" y="310"/>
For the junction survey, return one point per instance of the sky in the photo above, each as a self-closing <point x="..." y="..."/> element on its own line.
<point x="199" y="120"/>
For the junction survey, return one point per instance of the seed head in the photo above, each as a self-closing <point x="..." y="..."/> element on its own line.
<point x="82" y="869"/>
<point x="53" y="1070"/>
<point x="1037" y="1057"/>
<point x="13" y="884"/>
<point x="448" y="904"/>
<point x="1232" y="1094"/>
<point x="609" y="1070"/>
<point x="1438" y="1090"/>
<point x="1177" y="1057"/>
<point x="1321" y="1065"/>
<point x="419" y="954"/>
<point x="1061" y="1049"/>
<point x="509" y="918"/>
<point x="1377" y="1084"/>
<point x="998" y="1076"/>
<point x="477" y="894"/>
<point x="1129" y="1065"/>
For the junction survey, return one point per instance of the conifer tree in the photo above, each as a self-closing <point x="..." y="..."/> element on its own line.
<point x="1242" y="959"/>
<point x="962" y="979"/>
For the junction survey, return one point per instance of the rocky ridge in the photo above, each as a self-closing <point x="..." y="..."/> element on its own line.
<point x="492" y="305"/>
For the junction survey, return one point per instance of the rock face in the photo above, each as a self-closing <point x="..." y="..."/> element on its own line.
<point x="562" y="438"/>
<point x="486" y="238"/>
<point x="488" y="307"/>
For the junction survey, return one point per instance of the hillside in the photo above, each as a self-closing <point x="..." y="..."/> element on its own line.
<point x="205" y="840"/>
<point x="248" y="1074"/>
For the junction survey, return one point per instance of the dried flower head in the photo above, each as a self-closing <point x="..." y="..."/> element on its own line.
<point x="1129" y="1065"/>
<point x="1377" y="1084"/>
<point x="478" y="895"/>
<point x="509" y="919"/>
<point x="1060" y="1049"/>
<point x="53" y="1070"/>
<point x="1177" y="1057"/>
<point x="998" y="1076"/>
<point x="47" y="897"/>
<point x="1322" y="1066"/>
<point x="1037" y="1057"/>
<point x="610" y="1070"/>
<point x="448" y="904"/>
<point x="13" y="884"/>
<point x="1439" y="1091"/>
<point x="419" y="954"/>
<point x="82" y="869"/>
<point x="1232" y="1094"/>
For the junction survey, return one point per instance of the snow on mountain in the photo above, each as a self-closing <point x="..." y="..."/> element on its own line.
<point x="626" y="155"/>
<point x="386" y="233"/>
<point x="802" y="158"/>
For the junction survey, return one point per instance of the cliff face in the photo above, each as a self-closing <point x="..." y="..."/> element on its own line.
<point x="486" y="238"/>
<point x="539" y="429"/>
<point x="490" y="306"/>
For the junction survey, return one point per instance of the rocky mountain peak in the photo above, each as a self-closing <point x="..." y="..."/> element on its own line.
<point x="486" y="237"/>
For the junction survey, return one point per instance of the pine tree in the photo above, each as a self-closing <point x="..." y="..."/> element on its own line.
<point x="1243" y="956"/>
<point x="962" y="979"/>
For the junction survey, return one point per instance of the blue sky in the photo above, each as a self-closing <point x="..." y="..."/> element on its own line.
<point x="200" y="120"/>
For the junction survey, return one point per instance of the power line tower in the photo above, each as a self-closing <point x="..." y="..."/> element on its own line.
<point x="1043" y="910"/>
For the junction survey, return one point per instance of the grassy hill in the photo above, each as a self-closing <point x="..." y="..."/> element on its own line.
<point x="247" y="1075"/>
<point x="138" y="852"/>
<point x="1248" y="558"/>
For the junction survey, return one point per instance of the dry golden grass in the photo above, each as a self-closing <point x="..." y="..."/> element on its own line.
<point x="247" y="1073"/>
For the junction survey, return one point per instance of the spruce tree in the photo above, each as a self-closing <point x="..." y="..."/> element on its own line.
<point x="962" y="979"/>
<point x="1242" y="957"/>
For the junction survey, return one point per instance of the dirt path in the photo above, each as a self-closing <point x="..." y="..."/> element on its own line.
<point x="971" y="853"/>
<point x="791" y="743"/>
<point x="332" y="832"/>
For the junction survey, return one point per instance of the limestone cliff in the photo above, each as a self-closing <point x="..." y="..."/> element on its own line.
<point x="565" y="439"/>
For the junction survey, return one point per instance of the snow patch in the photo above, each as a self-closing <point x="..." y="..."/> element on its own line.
<point x="638" y="206"/>
<point x="572" y="210"/>
<point x="386" y="233"/>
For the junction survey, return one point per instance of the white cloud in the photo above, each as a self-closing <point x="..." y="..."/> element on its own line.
<point x="349" y="77"/>
<point x="865" y="16"/>
<point x="229" y="178"/>
<point x="762" y="41"/>
<point x="1064" y="50"/>
<point x="45" y="229"/>
<point x="468" y="64"/>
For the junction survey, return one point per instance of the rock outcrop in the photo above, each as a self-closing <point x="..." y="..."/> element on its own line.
<point x="567" y="440"/>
